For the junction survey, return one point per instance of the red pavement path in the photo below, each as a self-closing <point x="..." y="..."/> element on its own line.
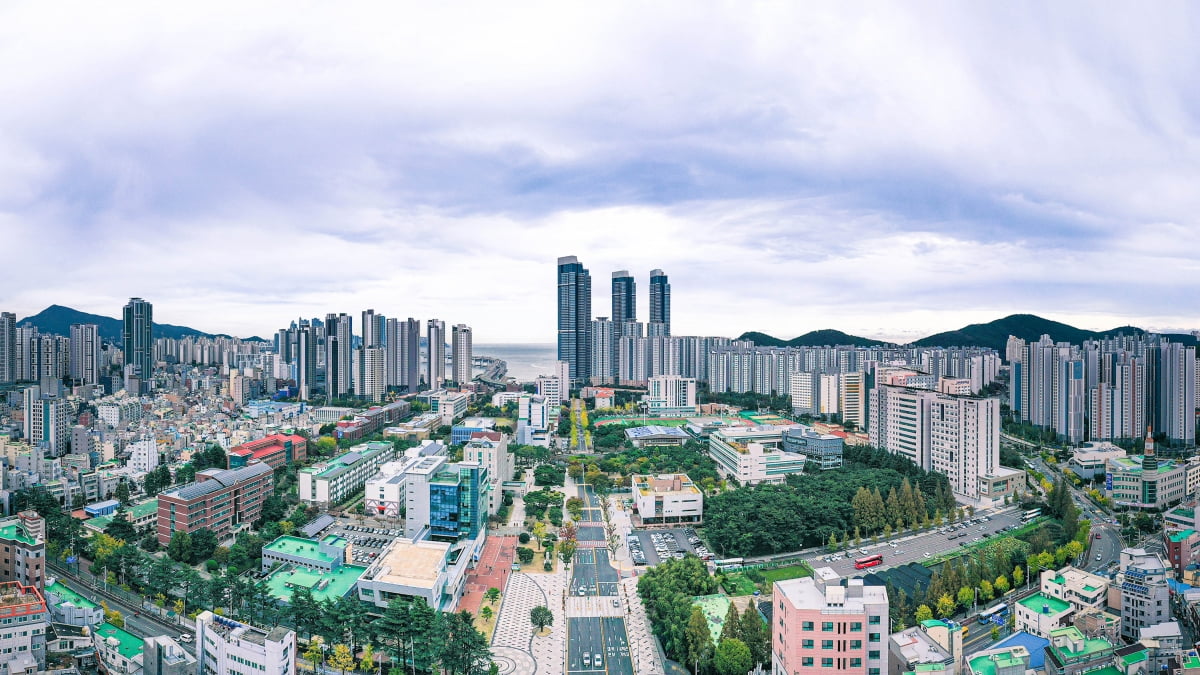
<point x="492" y="570"/>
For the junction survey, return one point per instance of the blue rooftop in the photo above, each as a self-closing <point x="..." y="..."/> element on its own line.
<point x="1035" y="645"/>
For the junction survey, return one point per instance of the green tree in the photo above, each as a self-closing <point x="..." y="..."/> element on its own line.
<point x="1001" y="584"/>
<point x="698" y="639"/>
<point x="965" y="597"/>
<point x="341" y="658"/>
<point x="122" y="493"/>
<point x="541" y="616"/>
<point x="314" y="654"/>
<point x="204" y="543"/>
<point x="945" y="606"/>
<point x="180" y="547"/>
<point x="492" y="595"/>
<point x="1018" y="576"/>
<point x="732" y="657"/>
<point x="120" y="528"/>
<point x="995" y="633"/>
<point x="731" y="627"/>
<point x="465" y="649"/>
<point x="986" y="590"/>
<point x="525" y="555"/>
<point x="923" y="613"/>
<point x="367" y="663"/>
<point x="754" y="634"/>
<point x="486" y="613"/>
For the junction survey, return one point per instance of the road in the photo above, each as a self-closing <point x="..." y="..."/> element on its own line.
<point x="1109" y="544"/>
<point x="602" y="642"/>
<point x="912" y="548"/>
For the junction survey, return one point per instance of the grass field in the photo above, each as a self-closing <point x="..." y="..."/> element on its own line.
<point x="784" y="573"/>
<point x="737" y="584"/>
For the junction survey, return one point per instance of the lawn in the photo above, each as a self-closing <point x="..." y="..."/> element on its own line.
<point x="789" y="572"/>
<point x="736" y="583"/>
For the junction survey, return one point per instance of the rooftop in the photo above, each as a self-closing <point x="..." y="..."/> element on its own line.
<point x="408" y="563"/>
<point x="322" y="585"/>
<point x="13" y="530"/>
<point x="664" y="483"/>
<point x="1071" y="643"/>
<point x="1180" y="535"/>
<point x="144" y="509"/>
<point x="69" y="595"/>
<point x="1039" y="601"/>
<point x="655" y="431"/>
<point x="127" y="645"/>
<point x="305" y="548"/>
<point x="988" y="663"/>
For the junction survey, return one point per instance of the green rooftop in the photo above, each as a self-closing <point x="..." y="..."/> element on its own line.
<point x="331" y="585"/>
<point x="1191" y="660"/>
<point x="929" y="667"/>
<point x="1088" y="647"/>
<point x="1037" y="601"/>
<point x="14" y="531"/>
<point x="69" y="595"/>
<point x="934" y="623"/>
<point x="348" y="459"/>
<point x="132" y="514"/>
<point x="129" y="646"/>
<point x="1136" y="657"/>
<point x="1181" y="535"/>
<point x="988" y="664"/>
<point x="305" y="548"/>
<point x="1106" y="670"/>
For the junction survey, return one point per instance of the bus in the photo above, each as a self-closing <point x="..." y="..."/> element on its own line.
<point x="869" y="561"/>
<point x="729" y="563"/>
<point x="1030" y="515"/>
<point x="994" y="615"/>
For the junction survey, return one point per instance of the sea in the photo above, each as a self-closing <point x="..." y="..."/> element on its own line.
<point x="525" y="360"/>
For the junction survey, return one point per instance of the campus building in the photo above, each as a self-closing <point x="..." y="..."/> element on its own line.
<point x="1089" y="461"/>
<point x="325" y="555"/>
<point x="331" y="482"/>
<point x="220" y="500"/>
<point x="820" y="626"/>
<point x="667" y="498"/>
<point x="433" y="571"/>
<point x="227" y="646"/>
<point x="754" y="455"/>
<point x="25" y="621"/>
<point x="656" y="436"/>
<point x="278" y="450"/>
<point x="823" y="449"/>
<point x="1148" y="481"/>
<point x="671" y="396"/>
<point x="490" y="450"/>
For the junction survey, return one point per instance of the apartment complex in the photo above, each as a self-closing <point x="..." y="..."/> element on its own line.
<point x="958" y="436"/>
<point x="25" y="619"/>
<point x="669" y="498"/>
<point x="332" y="481"/>
<point x="754" y="455"/>
<point x="277" y="450"/>
<point x="227" y="646"/>
<point x="23" y="538"/>
<point x="820" y="626"/>
<point x="1144" y="596"/>
<point x="220" y="500"/>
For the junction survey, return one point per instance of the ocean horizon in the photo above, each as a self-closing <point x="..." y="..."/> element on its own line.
<point x="526" y="360"/>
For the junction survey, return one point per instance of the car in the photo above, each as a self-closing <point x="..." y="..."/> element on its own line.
<point x="863" y="551"/>
<point x="927" y="555"/>
<point x="186" y="637"/>
<point x="597" y="661"/>
<point x="1099" y="557"/>
<point x="1097" y="535"/>
<point x="587" y="660"/>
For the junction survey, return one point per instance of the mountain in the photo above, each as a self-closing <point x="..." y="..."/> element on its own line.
<point x="1030" y="328"/>
<point x="816" y="338"/>
<point x="993" y="334"/>
<point x="57" y="320"/>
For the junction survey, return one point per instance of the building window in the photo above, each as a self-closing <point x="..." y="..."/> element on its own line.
<point x="856" y="663"/>
<point x="872" y="671"/>
<point x="807" y="661"/>
<point x="873" y="620"/>
<point x="807" y="644"/>
<point x="826" y="644"/>
<point x="856" y="644"/>
<point x="855" y="626"/>
<point x="873" y="637"/>
<point x="872" y="654"/>
<point x="806" y="625"/>
<point x="826" y="663"/>
<point x="827" y="626"/>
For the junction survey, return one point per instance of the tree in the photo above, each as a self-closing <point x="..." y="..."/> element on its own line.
<point x="986" y="589"/>
<point x="121" y="528"/>
<point x="945" y="606"/>
<point x="1001" y="585"/>
<point x="486" y="613"/>
<point x="122" y="494"/>
<point x="754" y="634"/>
<point x="525" y="555"/>
<point x="995" y="633"/>
<point x="732" y="657"/>
<point x="204" y="542"/>
<point x="697" y="639"/>
<point x="1018" y="576"/>
<point x="965" y="597"/>
<point x="341" y="658"/>
<point x="314" y="654"/>
<point x="541" y="616"/>
<point x="492" y="595"/>
<point x="465" y="650"/>
<point x="731" y="627"/>
<point x="923" y="613"/>
<point x="367" y="664"/>
<point x="180" y="547"/>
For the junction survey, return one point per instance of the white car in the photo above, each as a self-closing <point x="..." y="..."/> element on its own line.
<point x="927" y="554"/>
<point x="186" y="637"/>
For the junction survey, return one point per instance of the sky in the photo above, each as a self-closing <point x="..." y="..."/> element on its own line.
<point x="887" y="169"/>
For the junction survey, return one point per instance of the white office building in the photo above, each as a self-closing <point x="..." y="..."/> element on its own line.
<point x="667" y="498"/>
<point x="143" y="455"/>
<point x="225" y="646"/>
<point x="671" y="396"/>
<point x="754" y="455"/>
<point x="490" y="449"/>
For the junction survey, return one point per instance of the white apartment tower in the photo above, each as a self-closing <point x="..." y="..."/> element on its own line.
<point x="339" y="355"/>
<point x="435" y="373"/>
<point x="461" y="356"/>
<point x="85" y="353"/>
<point x="8" y="347"/>
<point x="372" y="373"/>
<point x="144" y="455"/>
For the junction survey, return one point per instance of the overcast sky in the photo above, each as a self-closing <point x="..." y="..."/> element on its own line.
<point x="793" y="166"/>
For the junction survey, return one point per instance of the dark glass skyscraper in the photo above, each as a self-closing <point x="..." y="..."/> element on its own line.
<point x="575" y="318"/>
<point x="660" y="304"/>
<point x="624" y="297"/>
<point x="137" y="341"/>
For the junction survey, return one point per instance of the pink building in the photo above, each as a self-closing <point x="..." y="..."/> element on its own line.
<point x="820" y="627"/>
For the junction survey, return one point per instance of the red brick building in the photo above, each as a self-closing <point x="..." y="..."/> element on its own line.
<point x="220" y="500"/>
<point x="277" y="450"/>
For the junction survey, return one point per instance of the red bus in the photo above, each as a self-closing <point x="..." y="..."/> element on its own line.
<point x="869" y="561"/>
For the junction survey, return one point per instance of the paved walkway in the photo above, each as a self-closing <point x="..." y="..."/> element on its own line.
<point x="515" y="649"/>
<point x="492" y="570"/>
<point x="643" y="648"/>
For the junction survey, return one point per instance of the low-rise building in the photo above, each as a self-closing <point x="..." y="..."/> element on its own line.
<point x="669" y="498"/>
<point x="414" y="569"/>
<point x="1039" y="614"/>
<point x="286" y="579"/>
<point x="656" y="436"/>
<point x="278" y="450"/>
<point x="418" y="428"/>
<point x="326" y="554"/>
<point x="1005" y="661"/>
<point x="753" y="455"/>
<point x="931" y="643"/>
<point x="332" y="481"/>
<point x="1081" y="589"/>
<point x="449" y="405"/>
<point x="1147" y="481"/>
<point x="461" y="433"/>
<point x="824" y="450"/>
<point x="221" y="500"/>
<point x="162" y="655"/>
<point x="25" y="622"/>
<point x="1001" y="482"/>
<point x="227" y="646"/>
<point x="1070" y="652"/>
<point x="142" y="515"/>
<point x="820" y="626"/>
<point x="1182" y="547"/>
<point x="118" y="650"/>
<point x="69" y="607"/>
<point x="1089" y="460"/>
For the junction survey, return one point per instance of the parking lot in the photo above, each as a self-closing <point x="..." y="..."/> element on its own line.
<point x="649" y="547"/>
<point x="592" y="573"/>
<point x="366" y="542"/>
<point x="598" y="645"/>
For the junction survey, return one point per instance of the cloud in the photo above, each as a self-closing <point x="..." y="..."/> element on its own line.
<point x="883" y="169"/>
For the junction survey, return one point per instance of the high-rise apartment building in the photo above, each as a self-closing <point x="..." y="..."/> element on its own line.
<point x="304" y="365"/>
<point x="853" y="394"/>
<point x="461" y="355"/>
<point x="404" y="353"/>
<point x="50" y="360"/>
<point x="47" y="422"/>
<point x="435" y="337"/>
<point x="373" y="328"/>
<point x="624" y="297"/>
<point x="8" y="347"/>
<point x="820" y="626"/>
<point x="372" y="373"/>
<point x="1175" y="377"/>
<point x="137" y="343"/>
<point x="575" y="318"/>
<point x="85" y="353"/>
<point x="604" y="351"/>
<point x="660" y="304"/>
<point x="803" y="387"/>
<point x="339" y="355"/>
<point x="24" y="343"/>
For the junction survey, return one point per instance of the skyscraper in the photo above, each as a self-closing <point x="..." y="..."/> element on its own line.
<point x="461" y="356"/>
<point x="137" y="341"/>
<point x="372" y="328"/>
<point x="85" y="353"/>
<point x="339" y="355"/>
<point x="435" y="373"/>
<point x="404" y="353"/>
<point x="8" y="347"/>
<point x="372" y="373"/>
<point x="660" y="304"/>
<point x="604" y="351"/>
<point x="575" y="318"/>
<point x="624" y="297"/>
<point x="304" y="364"/>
